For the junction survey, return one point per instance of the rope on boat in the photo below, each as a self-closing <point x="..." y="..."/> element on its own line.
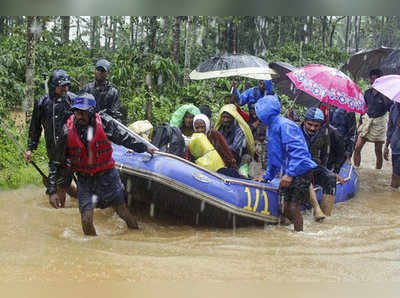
<point x="227" y="180"/>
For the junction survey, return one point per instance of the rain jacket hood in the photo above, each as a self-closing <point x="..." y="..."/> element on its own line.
<point x="179" y="114"/>
<point x="231" y="109"/>
<point x="287" y="148"/>
<point x="267" y="109"/>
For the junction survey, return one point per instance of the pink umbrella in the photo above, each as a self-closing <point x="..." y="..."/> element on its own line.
<point x="389" y="86"/>
<point x="329" y="85"/>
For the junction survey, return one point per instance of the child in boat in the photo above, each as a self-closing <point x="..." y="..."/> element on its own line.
<point x="287" y="152"/>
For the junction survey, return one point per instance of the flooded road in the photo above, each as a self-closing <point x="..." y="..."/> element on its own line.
<point x="360" y="242"/>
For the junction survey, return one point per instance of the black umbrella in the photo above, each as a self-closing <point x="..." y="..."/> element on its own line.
<point x="360" y="64"/>
<point x="391" y="64"/>
<point x="284" y="84"/>
<point x="233" y="65"/>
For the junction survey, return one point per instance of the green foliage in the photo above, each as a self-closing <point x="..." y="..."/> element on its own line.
<point x="13" y="169"/>
<point x="130" y="65"/>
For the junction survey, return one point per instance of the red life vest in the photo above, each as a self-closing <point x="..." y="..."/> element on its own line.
<point x="100" y="150"/>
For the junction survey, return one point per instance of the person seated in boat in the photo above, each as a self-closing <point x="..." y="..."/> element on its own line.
<point x="232" y="99"/>
<point x="206" y="110"/>
<point x="85" y="145"/>
<point x="259" y="164"/>
<point x="209" y="149"/>
<point x="254" y="122"/>
<point x="287" y="153"/>
<point x="236" y="132"/>
<point x="183" y="118"/>
<point x="318" y="142"/>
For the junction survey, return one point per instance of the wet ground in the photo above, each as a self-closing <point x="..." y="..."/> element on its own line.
<point x="360" y="242"/>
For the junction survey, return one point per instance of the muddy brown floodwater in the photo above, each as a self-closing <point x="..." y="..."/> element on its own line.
<point x="360" y="242"/>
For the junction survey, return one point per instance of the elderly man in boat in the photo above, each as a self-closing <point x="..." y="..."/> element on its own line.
<point x="287" y="152"/>
<point x="236" y="131"/>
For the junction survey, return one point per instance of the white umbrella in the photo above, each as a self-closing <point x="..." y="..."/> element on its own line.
<point x="234" y="65"/>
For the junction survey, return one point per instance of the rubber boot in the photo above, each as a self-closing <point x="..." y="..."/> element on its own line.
<point x="318" y="214"/>
<point x="327" y="203"/>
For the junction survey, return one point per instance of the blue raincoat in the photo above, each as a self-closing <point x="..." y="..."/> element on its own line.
<point x="252" y="95"/>
<point x="287" y="148"/>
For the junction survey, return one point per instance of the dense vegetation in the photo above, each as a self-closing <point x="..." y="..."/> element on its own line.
<point x="131" y="63"/>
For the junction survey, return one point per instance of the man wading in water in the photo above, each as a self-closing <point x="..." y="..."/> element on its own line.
<point x="85" y="144"/>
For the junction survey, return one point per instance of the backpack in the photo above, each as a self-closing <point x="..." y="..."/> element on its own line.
<point x="169" y="139"/>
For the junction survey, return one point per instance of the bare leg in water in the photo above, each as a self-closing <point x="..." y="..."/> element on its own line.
<point x="357" y="150"/>
<point x="87" y="223"/>
<point x="379" y="154"/>
<point x="293" y="212"/>
<point x="127" y="216"/>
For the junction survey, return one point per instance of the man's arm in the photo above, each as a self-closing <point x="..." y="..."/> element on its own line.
<point x="119" y="135"/>
<point x="115" y="105"/>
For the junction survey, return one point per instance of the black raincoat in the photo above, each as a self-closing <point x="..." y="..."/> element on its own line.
<point x="107" y="98"/>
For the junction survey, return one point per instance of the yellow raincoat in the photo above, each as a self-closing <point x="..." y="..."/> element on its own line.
<point x="204" y="152"/>
<point x="231" y="109"/>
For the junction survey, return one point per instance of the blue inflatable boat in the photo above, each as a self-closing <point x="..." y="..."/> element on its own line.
<point x="168" y="183"/>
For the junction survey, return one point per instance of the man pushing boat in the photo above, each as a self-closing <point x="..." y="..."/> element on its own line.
<point x="85" y="144"/>
<point x="287" y="151"/>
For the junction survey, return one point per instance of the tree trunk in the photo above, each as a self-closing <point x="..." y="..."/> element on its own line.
<point x="93" y="28"/>
<point x="310" y="28"/>
<point x="78" y="29"/>
<point x="114" y="25"/>
<point x="176" y="39"/>
<point x="187" y="50"/>
<point x="3" y="25"/>
<point x="346" y="38"/>
<point x="153" y="31"/>
<point x="31" y="37"/>
<point x="324" y="25"/>
<point x="65" y="27"/>
<point x="382" y="30"/>
<point x="279" y="30"/>
<point x="131" y="33"/>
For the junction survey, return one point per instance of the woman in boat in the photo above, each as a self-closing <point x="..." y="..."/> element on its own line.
<point x="209" y="148"/>
<point x="183" y="118"/>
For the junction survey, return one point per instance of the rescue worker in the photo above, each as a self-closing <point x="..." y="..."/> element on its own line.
<point x="50" y="113"/>
<point x="85" y="143"/>
<point x="318" y="142"/>
<point x="252" y="95"/>
<point x="105" y="93"/>
<point x="287" y="152"/>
